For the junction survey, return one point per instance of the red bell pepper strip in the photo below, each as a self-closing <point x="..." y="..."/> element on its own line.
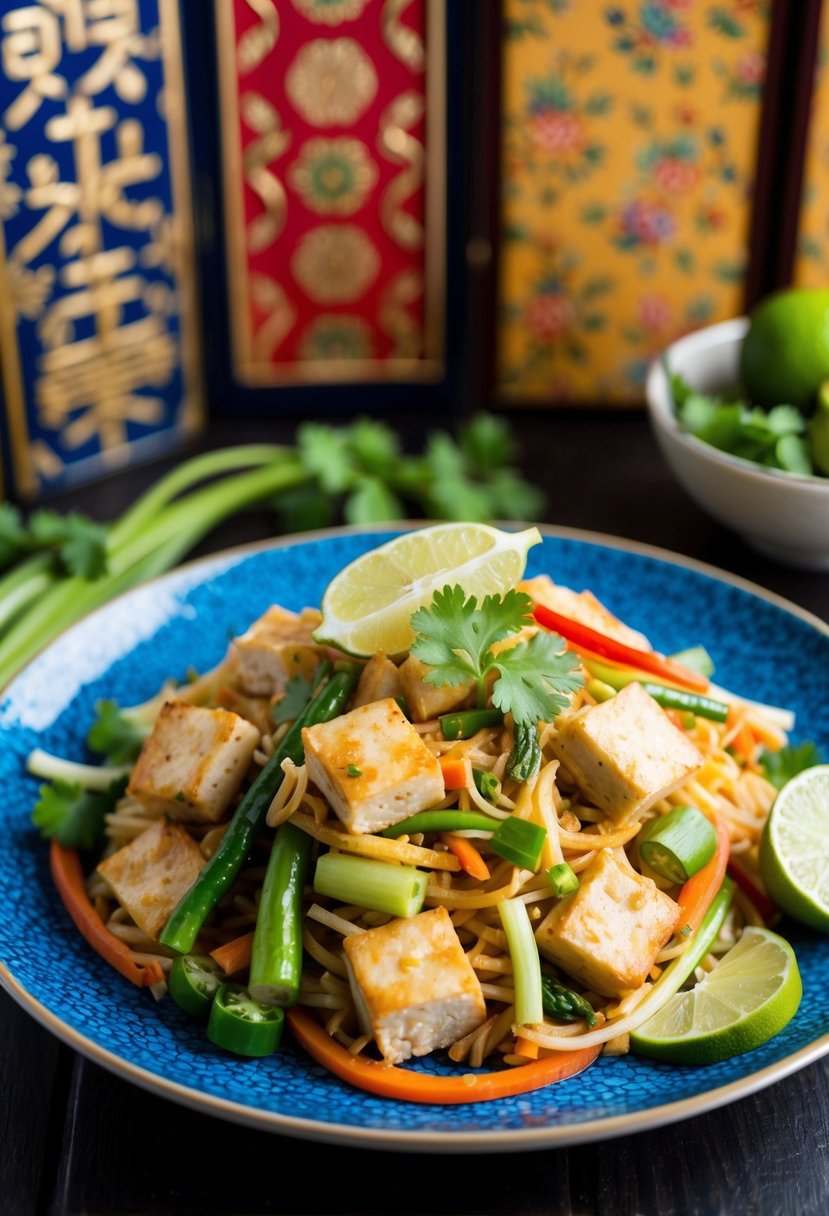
<point x="582" y="637"/>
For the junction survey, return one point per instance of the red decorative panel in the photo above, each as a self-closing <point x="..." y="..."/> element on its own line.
<point x="334" y="210"/>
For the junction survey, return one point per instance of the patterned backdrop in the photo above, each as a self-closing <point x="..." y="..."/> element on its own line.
<point x="324" y="107"/>
<point x="629" y="146"/>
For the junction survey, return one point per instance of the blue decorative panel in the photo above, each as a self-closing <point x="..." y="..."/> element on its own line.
<point x="97" y="284"/>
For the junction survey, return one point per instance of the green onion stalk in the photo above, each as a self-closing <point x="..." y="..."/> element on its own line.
<point x="164" y="524"/>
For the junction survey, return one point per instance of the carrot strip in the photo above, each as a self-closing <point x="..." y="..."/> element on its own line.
<point x="698" y="892"/>
<point x="457" y="772"/>
<point x="527" y="1049"/>
<point x="235" y="955"/>
<point x="582" y="637"/>
<point x="392" y="1082"/>
<point x="68" y="877"/>
<point x="466" y="853"/>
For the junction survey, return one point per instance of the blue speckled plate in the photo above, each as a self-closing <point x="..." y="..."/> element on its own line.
<point x="764" y="648"/>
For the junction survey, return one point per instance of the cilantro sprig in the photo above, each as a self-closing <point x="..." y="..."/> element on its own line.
<point x="77" y="543"/>
<point x="782" y="765"/>
<point x="75" y="816"/>
<point x="777" y="438"/>
<point x="455" y="636"/>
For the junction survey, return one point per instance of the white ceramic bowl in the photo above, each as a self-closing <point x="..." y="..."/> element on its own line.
<point x="783" y="515"/>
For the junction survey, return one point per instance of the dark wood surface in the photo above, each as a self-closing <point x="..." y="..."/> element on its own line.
<point x="75" y="1139"/>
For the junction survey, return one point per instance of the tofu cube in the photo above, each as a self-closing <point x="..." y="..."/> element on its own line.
<point x="413" y="986"/>
<point x="372" y="766"/>
<point x="379" y="679"/>
<point x="610" y="931"/>
<point x="582" y="606"/>
<point x="151" y="874"/>
<point x="194" y="762"/>
<point x="625" y="754"/>
<point x="277" y="647"/>
<point x="426" y="700"/>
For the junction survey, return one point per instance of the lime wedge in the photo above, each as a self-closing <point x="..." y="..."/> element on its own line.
<point x="368" y="606"/>
<point x="752" y="993"/>
<point x="794" y="850"/>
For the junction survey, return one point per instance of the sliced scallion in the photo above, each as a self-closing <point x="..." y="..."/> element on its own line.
<point x="562" y="879"/>
<point x="519" y="841"/>
<point x="380" y="885"/>
<point x="526" y="965"/>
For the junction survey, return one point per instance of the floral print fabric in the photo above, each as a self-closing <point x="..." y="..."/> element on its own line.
<point x="629" y="146"/>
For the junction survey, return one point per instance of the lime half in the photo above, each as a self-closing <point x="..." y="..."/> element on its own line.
<point x="794" y="850"/>
<point x="368" y="606"/>
<point x="748" y="998"/>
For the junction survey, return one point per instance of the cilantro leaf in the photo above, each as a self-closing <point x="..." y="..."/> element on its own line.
<point x="374" y="445"/>
<point x="115" y="734"/>
<point x="455" y="635"/>
<point x="296" y="696"/>
<point x="324" y="452"/>
<point x="83" y="550"/>
<point x="486" y="443"/>
<point x="536" y="678"/>
<point x="72" y="815"/>
<point x="455" y="638"/>
<point x="782" y="765"/>
<point x="13" y="540"/>
<point x="371" y="501"/>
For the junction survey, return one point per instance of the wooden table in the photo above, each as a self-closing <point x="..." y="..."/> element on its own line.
<point x="74" y="1139"/>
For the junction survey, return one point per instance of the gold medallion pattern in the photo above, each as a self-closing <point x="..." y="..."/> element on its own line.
<point x="331" y="83"/>
<point x="334" y="176"/>
<point x="335" y="263"/>
<point x="331" y="336"/>
<point x="330" y="12"/>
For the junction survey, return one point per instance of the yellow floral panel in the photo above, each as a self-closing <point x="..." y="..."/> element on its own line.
<point x="629" y="145"/>
<point x="811" y="267"/>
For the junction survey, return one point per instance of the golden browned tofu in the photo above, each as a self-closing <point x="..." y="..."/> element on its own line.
<point x="194" y="761"/>
<point x="414" y="988"/>
<point x="151" y="874"/>
<point x="372" y="766"/>
<point x="378" y="679"/>
<point x="582" y="606"/>
<point x="428" y="700"/>
<point x="277" y="647"/>
<point x="610" y="931"/>
<point x="625" y="754"/>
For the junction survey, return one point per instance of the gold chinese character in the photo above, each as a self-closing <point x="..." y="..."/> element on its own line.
<point x="31" y="50"/>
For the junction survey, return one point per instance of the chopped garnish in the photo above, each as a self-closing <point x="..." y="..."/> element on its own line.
<point x="75" y="816"/>
<point x="562" y="879"/>
<point x="116" y="734"/>
<point x="455" y="637"/>
<point x="353" y="771"/>
<point x="786" y="763"/>
<point x="291" y="704"/>
<point x="519" y="841"/>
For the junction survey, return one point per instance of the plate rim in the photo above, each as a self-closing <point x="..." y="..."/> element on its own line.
<point x="423" y="1141"/>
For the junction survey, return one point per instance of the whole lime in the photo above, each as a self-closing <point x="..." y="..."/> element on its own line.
<point x="785" y="355"/>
